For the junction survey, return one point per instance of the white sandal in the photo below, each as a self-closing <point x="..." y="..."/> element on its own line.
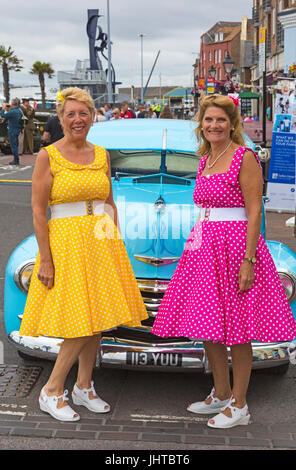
<point x="48" y="404"/>
<point x="81" y="397"/>
<point x="200" y="407"/>
<point x="239" y="416"/>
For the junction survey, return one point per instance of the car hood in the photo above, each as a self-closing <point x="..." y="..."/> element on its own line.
<point x="156" y="214"/>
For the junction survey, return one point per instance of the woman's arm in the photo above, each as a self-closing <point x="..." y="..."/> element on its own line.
<point x="250" y="179"/>
<point x="41" y="186"/>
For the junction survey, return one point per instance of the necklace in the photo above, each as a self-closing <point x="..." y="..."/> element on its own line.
<point x="219" y="156"/>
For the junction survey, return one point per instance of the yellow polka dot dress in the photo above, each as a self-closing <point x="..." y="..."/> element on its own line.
<point x="94" y="287"/>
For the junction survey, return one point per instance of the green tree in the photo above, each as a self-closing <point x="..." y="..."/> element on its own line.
<point x="41" y="69"/>
<point x="8" y="61"/>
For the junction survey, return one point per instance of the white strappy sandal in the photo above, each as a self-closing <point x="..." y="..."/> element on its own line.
<point x="239" y="416"/>
<point x="81" y="397"/>
<point x="48" y="404"/>
<point x="200" y="407"/>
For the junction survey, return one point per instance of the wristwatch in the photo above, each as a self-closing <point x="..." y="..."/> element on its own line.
<point x="251" y="260"/>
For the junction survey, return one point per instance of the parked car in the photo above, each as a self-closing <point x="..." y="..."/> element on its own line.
<point x="154" y="166"/>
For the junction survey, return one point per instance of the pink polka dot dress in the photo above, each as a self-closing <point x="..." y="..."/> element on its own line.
<point x="202" y="300"/>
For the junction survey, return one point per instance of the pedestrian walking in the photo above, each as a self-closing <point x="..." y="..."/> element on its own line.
<point x="13" y="115"/>
<point x="29" y="126"/>
<point x="226" y="290"/>
<point x="83" y="283"/>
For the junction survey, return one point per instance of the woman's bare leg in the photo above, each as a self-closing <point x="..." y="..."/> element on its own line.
<point x="87" y="359"/>
<point x="218" y="359"/>
<point x="69" y="352"/>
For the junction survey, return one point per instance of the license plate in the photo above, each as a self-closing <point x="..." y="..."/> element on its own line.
<point x="154" y="359"/>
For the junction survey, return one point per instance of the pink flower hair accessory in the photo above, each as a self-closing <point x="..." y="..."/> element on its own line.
<point x="235" y="99"/>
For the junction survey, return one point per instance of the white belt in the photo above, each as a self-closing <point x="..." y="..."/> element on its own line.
<point x="216" y="214"/>
<point x="73" y="209"/>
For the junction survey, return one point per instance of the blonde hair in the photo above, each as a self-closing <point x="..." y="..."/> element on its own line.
<point x="75" y="94"/>
<point x="232" y="111"/>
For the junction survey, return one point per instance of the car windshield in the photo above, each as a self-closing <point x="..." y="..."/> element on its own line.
<point x="145" y="162"/>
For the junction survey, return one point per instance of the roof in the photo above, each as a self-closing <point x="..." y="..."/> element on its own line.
<point x="177" y="92"/>
<point x="246" y="94"/>
<point x="229" y="33"/>
<point x="147" y="134"/>
<point x="151" y="92"/>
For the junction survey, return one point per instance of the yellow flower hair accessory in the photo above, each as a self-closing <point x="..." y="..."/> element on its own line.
<point x="60" y="98"/>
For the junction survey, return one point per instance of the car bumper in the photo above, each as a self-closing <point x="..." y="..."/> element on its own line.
<point x="121" y="353"/>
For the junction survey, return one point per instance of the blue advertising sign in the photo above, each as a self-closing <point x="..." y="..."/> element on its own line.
<point x="281" y="177"/>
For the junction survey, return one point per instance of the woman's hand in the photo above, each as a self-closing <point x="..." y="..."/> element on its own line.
<point x="246" y="276"/>
<point x="46" y="273"/>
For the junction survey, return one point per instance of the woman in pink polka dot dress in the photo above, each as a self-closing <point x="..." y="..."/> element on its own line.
<point x="225" y="289"/>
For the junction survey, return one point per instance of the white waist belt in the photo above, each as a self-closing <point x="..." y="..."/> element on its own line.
<point x="216" y="214"/>
<point x="73" y="209"/>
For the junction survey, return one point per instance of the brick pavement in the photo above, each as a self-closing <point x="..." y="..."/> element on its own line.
<point x="253" y="436"/>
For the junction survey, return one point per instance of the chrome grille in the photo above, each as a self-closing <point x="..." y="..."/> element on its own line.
<point x="152" y="291"/>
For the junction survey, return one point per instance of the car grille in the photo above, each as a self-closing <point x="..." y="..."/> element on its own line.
<point x="152" y="291"/>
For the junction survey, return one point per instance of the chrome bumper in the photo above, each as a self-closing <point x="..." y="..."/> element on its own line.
<point x="121" y="353"/>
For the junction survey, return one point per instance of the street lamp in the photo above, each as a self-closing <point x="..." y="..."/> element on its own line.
<point x="212" y="72"/>
<point x="141" y="35"/>
<point x="228" y="64"/>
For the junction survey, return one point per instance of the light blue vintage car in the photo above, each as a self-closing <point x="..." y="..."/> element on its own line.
<point x="153" y="169"/>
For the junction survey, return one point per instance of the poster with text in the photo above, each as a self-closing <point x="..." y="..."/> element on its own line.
<point x="281" y="175"/>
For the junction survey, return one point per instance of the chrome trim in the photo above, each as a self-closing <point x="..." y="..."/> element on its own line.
<point x="293" y="278"/>
<point x="157" y="261"/>
<point x="153" y="285"/>
<point x="18" y="271"/>
<point x="113" y="352"/>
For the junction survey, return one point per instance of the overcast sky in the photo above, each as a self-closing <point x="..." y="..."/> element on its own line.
<point x="55" y="32"/>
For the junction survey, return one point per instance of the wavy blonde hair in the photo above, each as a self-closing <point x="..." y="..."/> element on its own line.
<point x="75" y="94"/>
<point x="232" y="111"/>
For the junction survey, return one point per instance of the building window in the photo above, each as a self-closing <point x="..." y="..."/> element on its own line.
<point x="210" y="56"/>
<point x="219" y="56"/>
<point x="215" y="57"/>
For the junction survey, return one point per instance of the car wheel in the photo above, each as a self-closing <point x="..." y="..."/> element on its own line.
<point x="27" y="357"/>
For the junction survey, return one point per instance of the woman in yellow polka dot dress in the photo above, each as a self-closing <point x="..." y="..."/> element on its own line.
<point x="82" y="282"/>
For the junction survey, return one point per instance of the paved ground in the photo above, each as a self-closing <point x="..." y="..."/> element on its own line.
<point x="24" y="426"/>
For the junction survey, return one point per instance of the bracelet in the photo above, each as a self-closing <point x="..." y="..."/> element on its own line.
<point x="251" y="260"/>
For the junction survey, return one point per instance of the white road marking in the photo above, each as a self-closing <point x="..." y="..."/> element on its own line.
<point x="15" y="413"/>
<point x="15" y="170"/>
<point x="166" y="419"/>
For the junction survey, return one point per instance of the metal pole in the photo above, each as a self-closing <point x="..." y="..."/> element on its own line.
<point x="144" y="91"/>
<point x="110" y="97"/>
<point x="142" y="79"/>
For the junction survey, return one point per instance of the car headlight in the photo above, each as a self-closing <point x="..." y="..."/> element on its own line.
<point x="23" y="273"/>
<point x="289" y="283"/>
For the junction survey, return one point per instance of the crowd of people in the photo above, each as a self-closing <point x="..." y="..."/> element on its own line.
<point x="125" y="111"/>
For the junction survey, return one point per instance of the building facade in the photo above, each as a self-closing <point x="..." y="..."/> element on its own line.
<point x="221" y="38"/>
<point x="279" y="19"/>
<point x="225" y="38"/>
